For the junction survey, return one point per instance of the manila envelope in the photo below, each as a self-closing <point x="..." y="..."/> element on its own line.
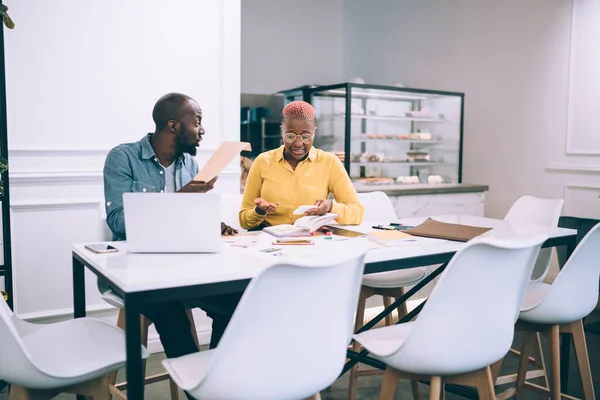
<point x="220" y="158"/>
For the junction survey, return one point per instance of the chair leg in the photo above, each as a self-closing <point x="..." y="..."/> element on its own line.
<point x="435" y="388"/>
<point x="528" y="342"/>
<point x="174" y="389"/>
<point x="358" y="323"/>
<point x="190" y="315"/>
<point x="21" y="393"/>
<point x="555" y="371"/>
<point x="387" y="301"/>
<point x="538" y="355"/>
<point x="112" y="377"/>
<point x="99" y="390"/>
<point x="583" y="360"/>
<point x="485" y="385"/>
<point x="316" y="396"/>
<point x="414" y="385"/>
<point x="390" y="382"/>
<point x="402" y="308"/>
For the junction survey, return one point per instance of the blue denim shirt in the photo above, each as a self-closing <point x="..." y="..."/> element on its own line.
<point x="134" y="167"/>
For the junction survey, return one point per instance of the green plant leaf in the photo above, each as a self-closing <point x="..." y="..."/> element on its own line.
<point x="7" y="21"/>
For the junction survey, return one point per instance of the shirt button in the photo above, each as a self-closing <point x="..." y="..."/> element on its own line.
<point x="108" y="203"/>
<point x="155" y="159"/>
<point x="162" y="191"/>
<point x="143" y="189"/>
<point x="160" y="172"/>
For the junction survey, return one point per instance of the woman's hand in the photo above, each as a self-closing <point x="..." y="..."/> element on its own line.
<point x="322" y="208"/>
<point x="265" y="206"/>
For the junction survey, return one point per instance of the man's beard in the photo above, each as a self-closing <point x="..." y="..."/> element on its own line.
<point x="185" y="147"/>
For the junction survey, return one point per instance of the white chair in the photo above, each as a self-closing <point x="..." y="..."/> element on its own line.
<point x="467" y="323"/>
<point x="560" y="307"/>
<point x="291" y="348"/>
<point x="389" y="285"/>
<point x="542" y="212"/>
<point x="73" y="356"/>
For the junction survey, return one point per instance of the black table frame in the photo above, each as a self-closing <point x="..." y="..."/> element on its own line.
<point x="134" y="301"/>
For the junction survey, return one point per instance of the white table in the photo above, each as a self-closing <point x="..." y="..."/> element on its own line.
<point x="152" y="278"/>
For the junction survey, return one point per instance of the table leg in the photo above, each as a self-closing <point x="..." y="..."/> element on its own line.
<point x="134" y="369"/>
<point x="78" y="288"/>
<point x="78" y="294"/>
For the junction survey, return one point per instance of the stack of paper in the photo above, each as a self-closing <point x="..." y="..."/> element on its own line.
<point x="391" y="238"/>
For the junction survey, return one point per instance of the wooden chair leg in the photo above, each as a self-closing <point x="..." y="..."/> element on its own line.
<point x="358" y="323"/>
<point x="390" y="382"/>
<point x="435" y="388"/>
<point x="583" y="360"/>
<point x="402" y="308"/>
<point x="174" y="389"/>
<point x="315" y="397"/>
<point x="112" y="377"/>
<point x="387" y="301"/>
<point x="538" y="355"/>
<point x="414" y="386"/>
<point x="485" y="385"/>
<point x="21" y="393"/>
<point x="190" y="315"/>
<point x="99" y="390"/>
<point x="555" y="371"/>
<point x="528" y="341"/>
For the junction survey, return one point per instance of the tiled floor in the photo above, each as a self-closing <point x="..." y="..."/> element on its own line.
<point x="369" y="386"/>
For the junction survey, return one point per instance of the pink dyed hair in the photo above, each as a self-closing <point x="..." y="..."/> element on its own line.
<point x="299" y="110"/>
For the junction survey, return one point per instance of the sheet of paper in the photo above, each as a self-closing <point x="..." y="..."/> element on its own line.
<point x="226" y="152"/>
<point x="303" y="209"/>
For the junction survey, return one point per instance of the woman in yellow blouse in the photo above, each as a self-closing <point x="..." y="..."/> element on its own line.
<point x="297" y="174"/>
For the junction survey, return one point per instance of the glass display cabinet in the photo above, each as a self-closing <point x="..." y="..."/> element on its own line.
<point x="387" y="135"/>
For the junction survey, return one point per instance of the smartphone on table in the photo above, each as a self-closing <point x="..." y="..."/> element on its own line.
<point x="101" y="248"/>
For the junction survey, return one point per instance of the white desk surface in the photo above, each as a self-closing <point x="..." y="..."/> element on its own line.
<point x="141" y="272"/>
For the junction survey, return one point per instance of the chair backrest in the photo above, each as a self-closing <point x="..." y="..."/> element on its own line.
<point x="290" y="332"/>
<point x="231" y="203"/>
<point x="378" y="207"/>
<point x="542" y="212"/>
<point x="468" y="320"/>
<point x="15" y="363"/>
<point x="574" y="292"/>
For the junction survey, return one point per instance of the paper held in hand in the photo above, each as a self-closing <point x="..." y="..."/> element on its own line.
<point x="220" y="158"/>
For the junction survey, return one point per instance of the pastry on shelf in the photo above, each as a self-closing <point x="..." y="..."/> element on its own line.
<point x="435" y="179"/>
<point x="377" y="181"/>
<point x="407" y="179"/>
<point x="420" y="136"/>
<point x="417" y="156"/>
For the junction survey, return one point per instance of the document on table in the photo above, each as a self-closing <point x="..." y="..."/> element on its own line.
<point x="220" y="158"/>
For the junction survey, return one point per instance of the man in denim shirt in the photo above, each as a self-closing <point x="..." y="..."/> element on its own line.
<point x="163" y="162"/>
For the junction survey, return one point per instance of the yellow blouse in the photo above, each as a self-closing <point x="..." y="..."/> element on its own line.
<point x="274" y="180"/>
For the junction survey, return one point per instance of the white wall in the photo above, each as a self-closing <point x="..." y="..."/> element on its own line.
<point x="287" y="43"/>
<point x="83" y="77"/>
<point x="511" y="58"/>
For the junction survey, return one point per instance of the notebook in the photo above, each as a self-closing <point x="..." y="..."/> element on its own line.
<point x="442" y="230"/>
<point x="391" y="238"/>
<point x="304" y="226"/>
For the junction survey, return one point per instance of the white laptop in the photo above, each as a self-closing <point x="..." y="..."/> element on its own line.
<point x="172" y="222"/>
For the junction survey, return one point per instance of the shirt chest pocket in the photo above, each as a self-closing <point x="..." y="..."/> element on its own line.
<point x="143" y="187"/>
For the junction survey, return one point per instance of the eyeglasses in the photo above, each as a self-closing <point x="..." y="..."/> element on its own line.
<point x="305" y="138"/>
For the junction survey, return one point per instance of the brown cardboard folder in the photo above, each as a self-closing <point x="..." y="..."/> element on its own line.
<point x="441" y="230"/>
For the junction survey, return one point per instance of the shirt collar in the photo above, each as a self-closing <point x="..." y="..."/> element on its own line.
<point x="147" y="150"/>
<point x="312" y="153"/>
